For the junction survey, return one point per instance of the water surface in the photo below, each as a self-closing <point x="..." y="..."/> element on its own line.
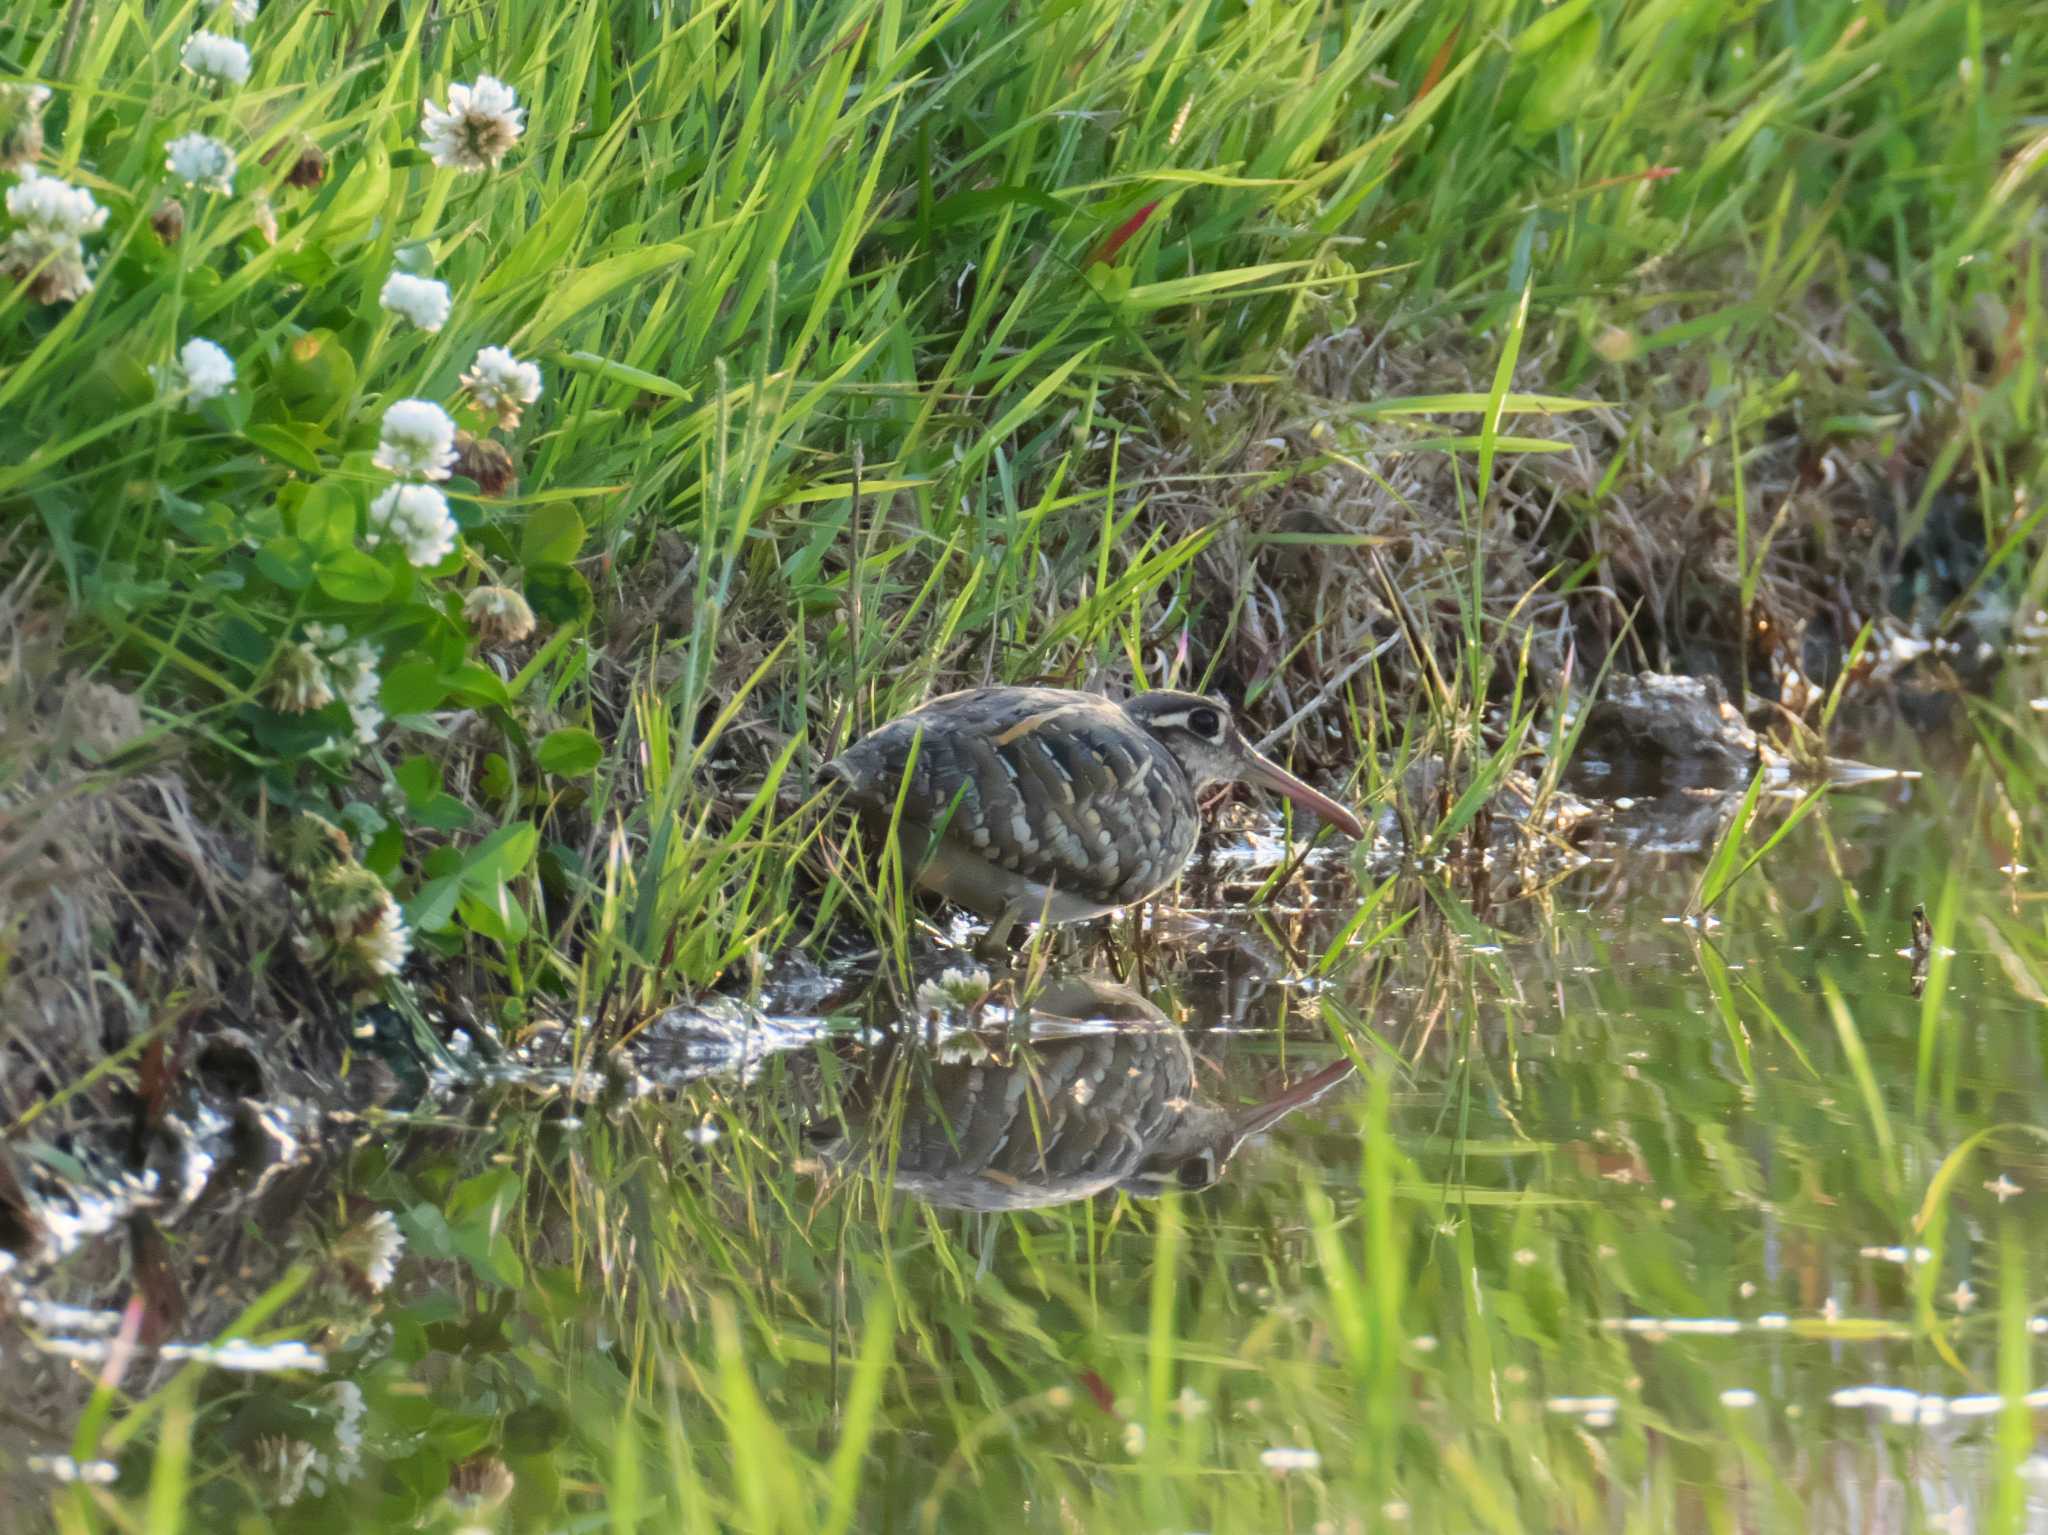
<point x="1623" y="1216"/>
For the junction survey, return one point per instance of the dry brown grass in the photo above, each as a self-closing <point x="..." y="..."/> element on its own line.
<point x="126" y="911"/>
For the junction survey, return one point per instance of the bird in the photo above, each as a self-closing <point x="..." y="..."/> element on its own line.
<point x="1100" y="1094"/>
<point x="1051" y="804"/>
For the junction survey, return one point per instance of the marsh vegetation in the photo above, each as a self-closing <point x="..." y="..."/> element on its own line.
<point x="456" y="1071"/>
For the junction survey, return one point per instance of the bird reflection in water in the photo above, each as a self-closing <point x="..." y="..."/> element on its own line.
<point x="1100" y="1093"/>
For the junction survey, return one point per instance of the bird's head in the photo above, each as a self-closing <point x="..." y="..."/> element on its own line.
<point x="1205" y="741"/>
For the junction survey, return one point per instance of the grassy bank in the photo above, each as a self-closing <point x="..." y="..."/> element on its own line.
<point x="1098" y="313"/>
<point x="882" y="348"/>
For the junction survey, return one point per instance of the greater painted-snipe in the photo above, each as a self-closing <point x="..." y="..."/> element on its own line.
<point x="1045" y="804"/>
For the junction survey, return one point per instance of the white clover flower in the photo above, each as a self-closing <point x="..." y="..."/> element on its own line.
<point x="48" y="251"/>
<point x="199" y="161"/>
<point x="213" y="57"/>
<point x="347" y="896"/>
<point x="242" y="13"/>
<point x="382" y="949"/>
<point x="202" y="372"/>
<point x="417" y="441"/>
<point x="417" y="516"/>
<point x="354" y="669"/>
<point x="501" y="384"/>
<point x="480" y="125"/>
<point x="372" y="1246"/>
<point x="498" y="615"/>
<point x="422" y="300"/>
<point x="49" y="206"/>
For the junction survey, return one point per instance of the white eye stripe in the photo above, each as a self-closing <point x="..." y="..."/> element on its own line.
<point x="1183" y="719"/>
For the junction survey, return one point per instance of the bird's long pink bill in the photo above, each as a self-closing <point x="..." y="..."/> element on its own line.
<point x="1265" y="1115"/>
<point x="1270" y="775"/>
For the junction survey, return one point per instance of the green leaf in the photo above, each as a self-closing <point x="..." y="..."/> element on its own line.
<point x="386" y="852"/>
<point x="326" y="517"/>
<point x="288" y="562"/>
<point x="419" y="777"/>
<point x="413" y="687"/>
<point x="349" y="575"/>
<point x="534" y="1429"/>
<point x="619" y="373"/>
<point x="497" y="915"/>
<point x="571" y="752"/>
<point x="316" y="372"/>
<point x="558" y="594"/>
<point x="497" y="780"/>
<point x="433" y="904"/>
<point x="476" y="684"/>
<point x="1564" y="78"/>
<point x="553" y="535"/>
<point x="597" y="282"/>
<point x="1548" y="27"/>
<point x="287" y="444"/>
<point x="444" y="812"/>
<point x="501" y="856"/>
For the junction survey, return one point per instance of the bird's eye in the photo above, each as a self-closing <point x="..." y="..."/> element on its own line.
<point x="1206" y="723"/>
<point x="1198" y="1172"/>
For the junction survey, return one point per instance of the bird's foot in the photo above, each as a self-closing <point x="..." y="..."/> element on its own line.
<point x="994" y="947"/>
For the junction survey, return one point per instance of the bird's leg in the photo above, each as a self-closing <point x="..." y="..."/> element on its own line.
<point x="993" y="946"/>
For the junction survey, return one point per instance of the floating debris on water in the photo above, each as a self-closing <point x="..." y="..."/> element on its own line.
<point x="1902" y="1406"/>
<point x="54" y="1317"/>
<point x="1845" y="774"/>
<point x="1901" y="1255"/>
<point x="1285" y="1460"/>
<point x="250" y="1358"/>
<point x="1738" y="1397"/>
<point x="62" y="1468"/>
<point x="1591" y="1411"/>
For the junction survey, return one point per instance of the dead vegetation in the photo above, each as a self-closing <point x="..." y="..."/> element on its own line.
<point x="1351" y="543"/>
<point x="126" y="910"/>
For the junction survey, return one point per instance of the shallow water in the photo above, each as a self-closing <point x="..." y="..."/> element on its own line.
<point x="1628" y="1218"/>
